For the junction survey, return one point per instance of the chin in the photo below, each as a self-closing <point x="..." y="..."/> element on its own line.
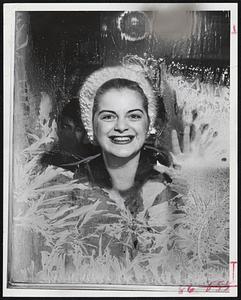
<point x="124" y="152"/>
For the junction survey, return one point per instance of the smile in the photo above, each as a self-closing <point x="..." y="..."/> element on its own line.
<point x="121" y="139"/>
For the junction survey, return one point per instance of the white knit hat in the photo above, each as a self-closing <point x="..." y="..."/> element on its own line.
<point x="98" y="78"/>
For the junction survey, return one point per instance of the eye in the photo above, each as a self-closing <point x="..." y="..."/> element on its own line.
<point x="66" y="127"/>
<point x="135" y="116"/>
<point x="107" y="117"/>
<point x="78" y="130"/>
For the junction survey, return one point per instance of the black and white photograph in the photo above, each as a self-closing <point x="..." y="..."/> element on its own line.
<point x="120" y="149"/>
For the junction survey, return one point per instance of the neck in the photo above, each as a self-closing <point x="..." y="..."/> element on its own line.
<point x="122" y="170"/>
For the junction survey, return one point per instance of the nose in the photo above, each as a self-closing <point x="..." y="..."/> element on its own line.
<point x="121" y="125"/>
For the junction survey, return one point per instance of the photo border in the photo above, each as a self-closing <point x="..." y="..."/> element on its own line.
<point x="67" y="290"/>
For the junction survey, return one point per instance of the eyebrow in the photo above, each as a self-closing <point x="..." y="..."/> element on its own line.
<point x="113" y="112"/>
<point x="137" y="109"/>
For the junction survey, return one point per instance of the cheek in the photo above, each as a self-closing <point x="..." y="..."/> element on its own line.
<point x="101" y="128"/>
<point x="142" y="128"/>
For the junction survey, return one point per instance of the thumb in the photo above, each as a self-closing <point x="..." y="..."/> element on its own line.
<point x="175" y="162"/>
<point x="163" y="169"/>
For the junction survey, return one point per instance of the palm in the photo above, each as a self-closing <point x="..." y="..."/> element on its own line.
<point x="195" y="151"/>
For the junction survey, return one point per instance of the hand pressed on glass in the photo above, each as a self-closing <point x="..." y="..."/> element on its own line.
<point x="194" y="149"/>
<point x="196" y="146"/>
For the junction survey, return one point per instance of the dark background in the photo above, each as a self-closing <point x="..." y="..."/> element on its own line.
<point x="67" y="46"/>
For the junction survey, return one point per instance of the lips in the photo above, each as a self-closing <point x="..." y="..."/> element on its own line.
<point x="121" y="139"/>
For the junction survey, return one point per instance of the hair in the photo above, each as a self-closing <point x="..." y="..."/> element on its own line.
<point x="71" y="110"/>
<point x="120" y="83"/>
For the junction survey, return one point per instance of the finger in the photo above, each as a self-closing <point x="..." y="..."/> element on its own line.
<point x="186" y="140"/>
<point x="176" y="177"/>
<point x="192" y="132"/>
<point x="212" y="149"/>
<point x="206" y="134"/>
<point x="197" y="139"/>
<point x="194" y="115"/>
<point x="169" y="172"/>
<point x="209" y="143"/>
<point x="175" y="143"/>
<point x="204" y="127"/>
<point x="175" y="161"/>
<point x="162" y="169"/>
<point x="208" y="140"/>
<point x="211" y="137"/>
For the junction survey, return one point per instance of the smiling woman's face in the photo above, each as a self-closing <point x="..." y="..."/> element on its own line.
<point x="120" y="122"/>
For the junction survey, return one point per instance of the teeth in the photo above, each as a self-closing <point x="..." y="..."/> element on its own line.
<point x="121" y="139"/>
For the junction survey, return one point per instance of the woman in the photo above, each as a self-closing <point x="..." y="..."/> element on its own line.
<point x="118" y="109"/>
